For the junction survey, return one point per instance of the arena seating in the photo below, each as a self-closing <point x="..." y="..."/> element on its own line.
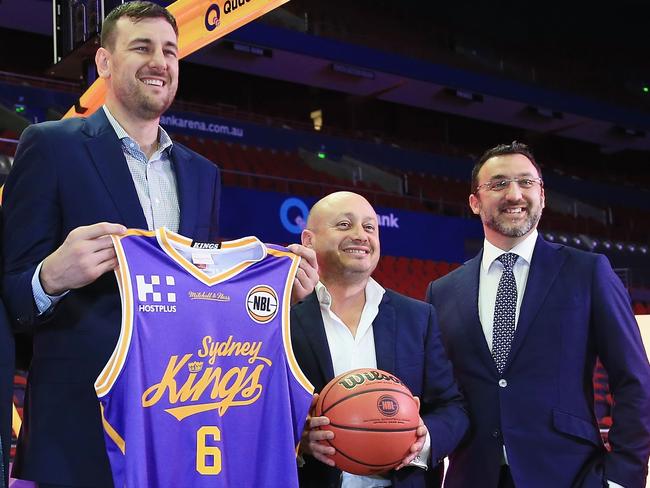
<point x="284" y="171"/>
<point x="6" y="147"/>
<point x="641" y="308"/>
<point x="410" y="276"/>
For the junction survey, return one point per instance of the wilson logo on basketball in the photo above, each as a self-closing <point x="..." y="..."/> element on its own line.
<point x="262" y="304"/>
<point x="388" y="405"/>
<point x="355" y="379"/>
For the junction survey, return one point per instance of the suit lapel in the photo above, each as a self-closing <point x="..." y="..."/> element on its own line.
<point x="106" y="153"/>
<point x="384" y="330"/>
<point x="187" y="181"/>
<point x="467" y="293"/>
<point x="544" y="268"/>
<point x="311" y="323"/>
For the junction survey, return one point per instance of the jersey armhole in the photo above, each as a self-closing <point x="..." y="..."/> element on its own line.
<point x="113" y="367"/>
<point x="286" y="327"/>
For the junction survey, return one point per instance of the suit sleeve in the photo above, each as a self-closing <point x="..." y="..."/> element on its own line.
<point x="621" y="350"/>
<point x="31" y="223"/>
<point x="443" y="409"/>
<point x="429" y="294"/>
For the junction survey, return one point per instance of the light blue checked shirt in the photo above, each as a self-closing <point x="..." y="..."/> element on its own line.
<point x="155" y="184"/>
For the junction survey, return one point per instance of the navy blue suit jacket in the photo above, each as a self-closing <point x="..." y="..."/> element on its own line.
<point x="408" y="345"/>
<point x="67" y="174"/>
<point x="542" y="406"/>
<point x="7" y="367"/>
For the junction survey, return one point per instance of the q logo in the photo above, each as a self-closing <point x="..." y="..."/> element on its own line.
<point x="212" y="16"/>
<point x="293" y="215"/>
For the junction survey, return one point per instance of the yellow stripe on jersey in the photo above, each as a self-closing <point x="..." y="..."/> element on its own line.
<point x="286" y="321"/>
<point x="139" y="232"/>
<point x="111" y="371"/>
<point x="112" y="433"/>
<point x="16" y="421"/>
<point x="244" y="241"/>
<point x="279" y="254"/>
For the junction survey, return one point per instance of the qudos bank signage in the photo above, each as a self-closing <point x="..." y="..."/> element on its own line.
<point x="294" y="212"/>
<point x="293" y="215"/>
<point x="213" y="13"/>
<point x="212" y="17"/>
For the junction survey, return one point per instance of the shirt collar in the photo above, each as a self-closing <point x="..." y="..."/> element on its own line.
<point x="524" y="250"/>
<point x="374" y="294"/>
<point x="164" y="141"/>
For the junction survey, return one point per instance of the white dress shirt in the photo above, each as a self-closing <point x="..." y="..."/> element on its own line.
<point x="491" y="270"/>
<point x="154" y="177"/>
<point x="351" y="352"/>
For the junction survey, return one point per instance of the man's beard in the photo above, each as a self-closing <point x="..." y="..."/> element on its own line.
<point x="149" y="109"/>
<point x="133" y="95"/>
<point x="499" y="224"/>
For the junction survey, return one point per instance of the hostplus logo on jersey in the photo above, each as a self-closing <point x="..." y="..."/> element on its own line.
<point x="154" y="296"/>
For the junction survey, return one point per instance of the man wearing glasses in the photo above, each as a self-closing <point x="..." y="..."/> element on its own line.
<point x="523" y="323"/>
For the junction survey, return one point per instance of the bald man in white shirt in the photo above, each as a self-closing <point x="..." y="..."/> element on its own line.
<point x="351" y="321"/>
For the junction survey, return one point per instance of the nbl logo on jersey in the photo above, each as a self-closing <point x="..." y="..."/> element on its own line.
<point x="262" y="304"/>
<point x="154" y="296"/>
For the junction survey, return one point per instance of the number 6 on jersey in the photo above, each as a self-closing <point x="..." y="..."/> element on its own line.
<point x="204" y="452"/>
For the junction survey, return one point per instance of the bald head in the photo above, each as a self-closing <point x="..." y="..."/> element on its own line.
<point x="334" y="202"/>
<point x="343" y="230"/>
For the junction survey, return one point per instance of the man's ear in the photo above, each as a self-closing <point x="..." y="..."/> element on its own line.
<point x="474" y="204"/>
<point x="102" y="61"/>
<point x="307" y="238"/>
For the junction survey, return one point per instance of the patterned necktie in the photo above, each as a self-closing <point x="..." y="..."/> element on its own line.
<point x="505" y="309"/>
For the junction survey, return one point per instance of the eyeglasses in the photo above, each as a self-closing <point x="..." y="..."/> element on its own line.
<point x="500" y="185"/>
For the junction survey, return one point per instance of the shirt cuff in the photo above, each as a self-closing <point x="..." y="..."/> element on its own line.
<point x="611" y="484"/>
<point x="44" y="302"/>
<point x="421" y="459"/>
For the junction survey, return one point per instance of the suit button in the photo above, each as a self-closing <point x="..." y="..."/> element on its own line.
<point x="503" y="383"/>
<point x="496" y="434"/>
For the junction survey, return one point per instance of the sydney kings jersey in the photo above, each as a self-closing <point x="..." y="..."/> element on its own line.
<point x="202" y="389"/>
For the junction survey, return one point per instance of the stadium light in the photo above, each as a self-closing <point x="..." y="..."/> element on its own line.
<point x="317" y="118"/>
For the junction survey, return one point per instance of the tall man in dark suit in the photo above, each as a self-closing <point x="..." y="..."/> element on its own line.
<point x="523" y="322"/>
<point x="74" y="183"/>
<point x="350" y="322"/>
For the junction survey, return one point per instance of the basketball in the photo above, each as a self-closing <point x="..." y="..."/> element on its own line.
<point x="374" y="418"/>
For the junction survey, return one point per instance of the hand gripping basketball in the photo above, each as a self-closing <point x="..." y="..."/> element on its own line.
<point x="374" y="418"/>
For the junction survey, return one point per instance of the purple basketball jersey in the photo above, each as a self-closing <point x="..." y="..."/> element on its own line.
<point x="203" y="389"/>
